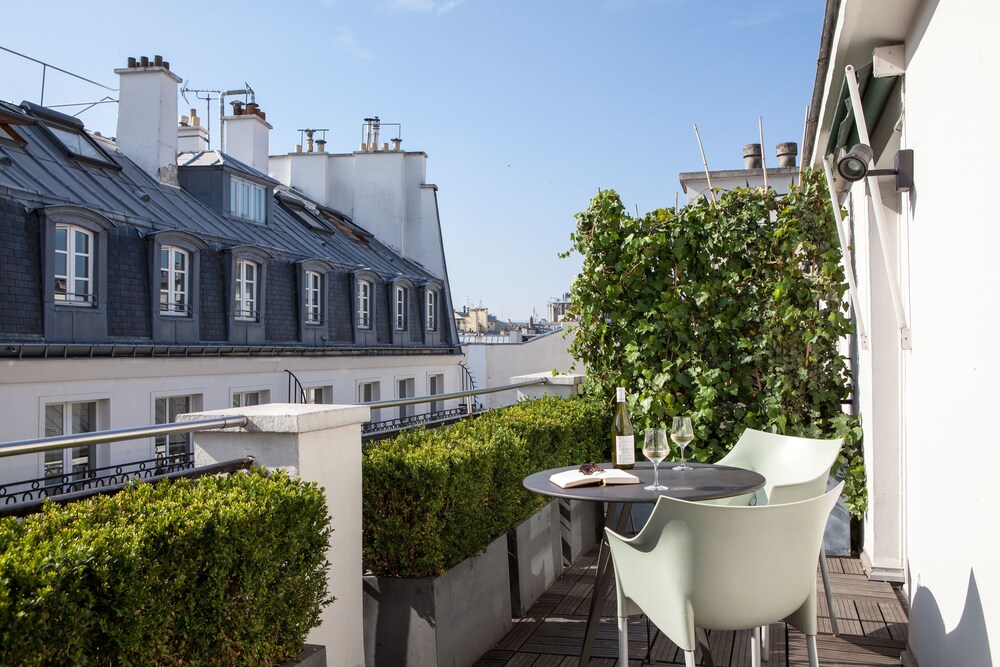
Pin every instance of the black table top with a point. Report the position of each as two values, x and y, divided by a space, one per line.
705 482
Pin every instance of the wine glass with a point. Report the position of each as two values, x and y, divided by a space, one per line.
655 448
682 434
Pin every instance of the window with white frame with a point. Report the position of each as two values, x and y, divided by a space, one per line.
71 463
364 300
174 446
368 392
74 265
247 279
247 200
174 272
432 309
314 297
405 389
242 399
316 395
435 386
400 308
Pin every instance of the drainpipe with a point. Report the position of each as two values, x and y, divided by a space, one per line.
246 90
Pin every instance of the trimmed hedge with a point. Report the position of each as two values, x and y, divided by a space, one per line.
433 497
216 571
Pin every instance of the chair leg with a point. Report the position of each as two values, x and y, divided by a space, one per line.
755 647
811 646
763 642
622 641
825 571
688 658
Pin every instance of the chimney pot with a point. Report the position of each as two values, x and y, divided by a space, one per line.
131 62
751 156
786 152
321 145
395 144
158 61
298 148
166 65
144 61
184 121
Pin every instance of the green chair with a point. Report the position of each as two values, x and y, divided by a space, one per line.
795 469
722 568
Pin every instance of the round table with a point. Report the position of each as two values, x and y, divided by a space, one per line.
705 482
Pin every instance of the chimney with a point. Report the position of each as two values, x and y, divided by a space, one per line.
191 136
751 156
147 109
247 136
786 153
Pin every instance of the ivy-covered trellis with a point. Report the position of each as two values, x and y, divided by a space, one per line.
730 312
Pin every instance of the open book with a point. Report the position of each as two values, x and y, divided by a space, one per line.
571 478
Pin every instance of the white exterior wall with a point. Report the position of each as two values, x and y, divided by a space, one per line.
932 450
952 444
129 387
493 365
147 119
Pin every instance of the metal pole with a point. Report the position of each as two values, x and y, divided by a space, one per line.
875 192
845 250
395 403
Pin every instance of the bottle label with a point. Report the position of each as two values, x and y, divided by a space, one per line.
625 448
620 394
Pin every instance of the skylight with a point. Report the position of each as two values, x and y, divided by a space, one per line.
78 143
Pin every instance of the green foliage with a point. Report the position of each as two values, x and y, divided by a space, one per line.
216 571
729 312
433 497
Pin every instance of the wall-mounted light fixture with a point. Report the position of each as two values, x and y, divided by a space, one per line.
854 166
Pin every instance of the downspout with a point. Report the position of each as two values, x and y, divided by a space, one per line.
246 90
822 69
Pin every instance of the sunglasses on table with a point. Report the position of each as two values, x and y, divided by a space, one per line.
589 468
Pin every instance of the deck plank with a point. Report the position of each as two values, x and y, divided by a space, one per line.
873 626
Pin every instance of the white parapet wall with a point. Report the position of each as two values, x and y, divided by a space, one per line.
564 385
318 443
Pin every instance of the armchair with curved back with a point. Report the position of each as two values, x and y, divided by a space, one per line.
795 468
720 567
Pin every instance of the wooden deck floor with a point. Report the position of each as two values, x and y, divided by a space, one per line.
873 628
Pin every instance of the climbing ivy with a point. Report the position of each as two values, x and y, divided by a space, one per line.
730 312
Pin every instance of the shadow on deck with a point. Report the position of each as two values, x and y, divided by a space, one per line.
873 627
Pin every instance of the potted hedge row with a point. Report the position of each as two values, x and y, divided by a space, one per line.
438 505
228 570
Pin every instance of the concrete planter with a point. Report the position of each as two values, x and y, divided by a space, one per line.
311 656
449 620
534 553
580 524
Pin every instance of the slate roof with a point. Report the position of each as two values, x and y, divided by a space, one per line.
39 173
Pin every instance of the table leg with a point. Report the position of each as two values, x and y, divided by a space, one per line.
603 578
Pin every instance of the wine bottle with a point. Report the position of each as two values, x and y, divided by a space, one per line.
622 440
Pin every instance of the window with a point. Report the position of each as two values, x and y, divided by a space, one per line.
435 386
174 263
314 297
405 389
74 265
432 308
174 444
242 399
314 395
364 304
368 392
246 290
400 308
247 200
73 463
78 143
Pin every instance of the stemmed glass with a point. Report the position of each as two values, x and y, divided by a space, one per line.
655 448
682 434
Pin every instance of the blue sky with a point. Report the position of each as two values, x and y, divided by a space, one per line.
525 107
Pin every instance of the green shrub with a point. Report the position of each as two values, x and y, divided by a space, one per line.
216 571
435 497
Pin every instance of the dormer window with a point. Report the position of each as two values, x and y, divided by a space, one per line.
364 304
174 271
74 266
314 297
432 310
400 309
247 200
246 290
